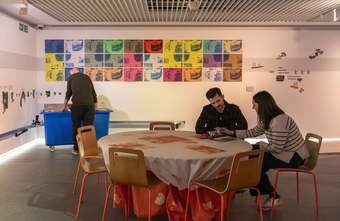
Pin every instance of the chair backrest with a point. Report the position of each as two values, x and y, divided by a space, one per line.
161 125
313 143
245 170
127 166
87 141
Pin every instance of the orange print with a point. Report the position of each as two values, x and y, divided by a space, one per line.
204 149
164 139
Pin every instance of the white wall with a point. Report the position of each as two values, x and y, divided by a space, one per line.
18 65
315 110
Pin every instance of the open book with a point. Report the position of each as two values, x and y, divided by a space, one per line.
224 138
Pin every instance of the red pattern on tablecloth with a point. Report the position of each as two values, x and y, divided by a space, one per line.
204 204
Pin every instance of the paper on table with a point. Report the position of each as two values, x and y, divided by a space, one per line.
205 149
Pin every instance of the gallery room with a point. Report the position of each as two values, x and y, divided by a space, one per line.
180 110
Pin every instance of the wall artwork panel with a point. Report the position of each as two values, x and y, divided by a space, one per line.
94 46
74 46
113 74
54 67
149 60
153 74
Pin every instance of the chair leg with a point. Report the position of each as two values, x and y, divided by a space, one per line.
297 188
259 201
81 193
198 198
76 178
187 205
113 198
107 196
149 216
275 191
222 206
298 191
316 194
127 203
105 181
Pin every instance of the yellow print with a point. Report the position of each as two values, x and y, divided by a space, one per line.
172 60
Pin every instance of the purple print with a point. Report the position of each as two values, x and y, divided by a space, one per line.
172 74
212 60
133 74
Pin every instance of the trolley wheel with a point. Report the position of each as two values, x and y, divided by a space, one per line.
52 148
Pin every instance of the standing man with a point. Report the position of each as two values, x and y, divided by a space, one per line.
84 100
219 114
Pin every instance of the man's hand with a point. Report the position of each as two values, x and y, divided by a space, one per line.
65 106
65 109
225 131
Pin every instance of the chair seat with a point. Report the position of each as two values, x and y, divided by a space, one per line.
300 169
93 165
303 168
218 184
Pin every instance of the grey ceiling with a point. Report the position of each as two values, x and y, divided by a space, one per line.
178 12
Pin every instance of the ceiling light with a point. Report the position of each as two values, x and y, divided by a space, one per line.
23 10
193 5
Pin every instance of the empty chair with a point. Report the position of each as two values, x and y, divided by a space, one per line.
127 167
90 160
245 172
313 143
162 125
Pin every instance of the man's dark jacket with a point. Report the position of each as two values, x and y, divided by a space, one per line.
231 118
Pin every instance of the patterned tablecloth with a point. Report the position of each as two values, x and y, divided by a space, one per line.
177 157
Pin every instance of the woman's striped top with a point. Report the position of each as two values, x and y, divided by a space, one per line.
284 138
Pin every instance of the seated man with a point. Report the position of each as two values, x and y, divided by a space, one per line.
219 113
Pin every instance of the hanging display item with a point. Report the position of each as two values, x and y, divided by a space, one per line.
4 101
22 98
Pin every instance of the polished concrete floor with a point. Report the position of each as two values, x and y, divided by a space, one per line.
37 186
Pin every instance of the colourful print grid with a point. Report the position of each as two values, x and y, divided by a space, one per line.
145 60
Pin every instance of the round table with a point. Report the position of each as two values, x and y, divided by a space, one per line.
177 157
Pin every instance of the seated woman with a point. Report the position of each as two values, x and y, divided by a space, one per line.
285 148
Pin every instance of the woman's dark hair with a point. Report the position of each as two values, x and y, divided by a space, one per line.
267 107
212 92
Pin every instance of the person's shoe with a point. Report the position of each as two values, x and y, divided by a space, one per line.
75 152
267 205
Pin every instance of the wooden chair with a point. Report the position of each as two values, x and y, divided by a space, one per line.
162 125
127 167
245 172
90 160
313 143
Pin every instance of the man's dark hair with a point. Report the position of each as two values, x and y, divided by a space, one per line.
212 92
